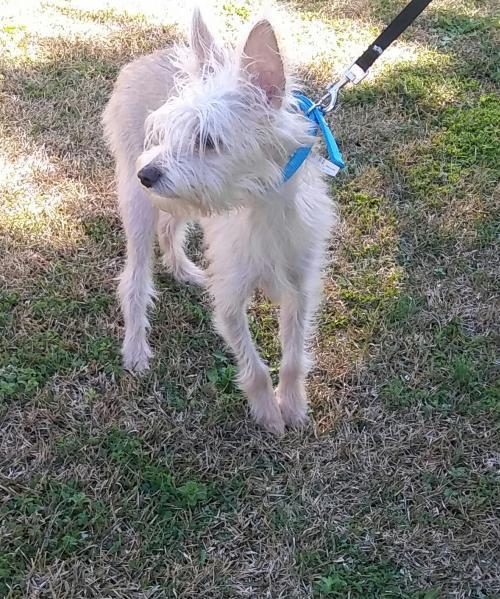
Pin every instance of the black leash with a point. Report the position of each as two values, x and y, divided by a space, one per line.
357 71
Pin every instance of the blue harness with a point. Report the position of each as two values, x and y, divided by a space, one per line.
316 116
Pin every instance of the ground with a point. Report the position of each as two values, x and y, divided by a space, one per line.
117 486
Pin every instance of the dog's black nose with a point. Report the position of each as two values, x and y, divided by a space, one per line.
149 175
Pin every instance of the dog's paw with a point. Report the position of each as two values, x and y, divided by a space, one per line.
193 276
269 417
136 358
294 416
187 272
293 407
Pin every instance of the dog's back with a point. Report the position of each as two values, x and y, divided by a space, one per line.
142 86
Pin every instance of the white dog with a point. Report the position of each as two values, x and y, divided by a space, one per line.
204 132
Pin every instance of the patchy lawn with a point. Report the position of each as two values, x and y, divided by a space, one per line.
116 486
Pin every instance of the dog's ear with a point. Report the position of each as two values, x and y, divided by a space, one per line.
262 61
202 41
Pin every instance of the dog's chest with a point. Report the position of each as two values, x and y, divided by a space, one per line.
264 247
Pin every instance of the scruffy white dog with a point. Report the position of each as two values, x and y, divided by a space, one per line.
204 132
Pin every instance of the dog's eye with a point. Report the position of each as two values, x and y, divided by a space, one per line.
206 143
209 143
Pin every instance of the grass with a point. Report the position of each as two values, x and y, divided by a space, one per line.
112 485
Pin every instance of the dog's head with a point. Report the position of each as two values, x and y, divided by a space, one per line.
227 131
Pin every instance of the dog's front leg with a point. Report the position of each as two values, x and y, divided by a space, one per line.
291 394
253 374
136 286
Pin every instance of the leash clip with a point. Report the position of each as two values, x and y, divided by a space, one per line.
357 71
354 74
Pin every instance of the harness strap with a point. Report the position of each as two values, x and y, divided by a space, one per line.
317 119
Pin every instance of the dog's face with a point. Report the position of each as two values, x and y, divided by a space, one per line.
219 139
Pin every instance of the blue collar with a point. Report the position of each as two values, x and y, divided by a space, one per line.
317 121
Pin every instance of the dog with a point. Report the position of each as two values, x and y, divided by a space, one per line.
201 132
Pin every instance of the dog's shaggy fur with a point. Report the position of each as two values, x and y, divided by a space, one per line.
208 130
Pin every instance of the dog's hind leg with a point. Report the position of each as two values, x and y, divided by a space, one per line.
136 289
171 235
253 375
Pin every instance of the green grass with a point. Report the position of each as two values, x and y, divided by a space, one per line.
460 378
222 374
56 518
61 520
345 569
50 347
467 139
161 485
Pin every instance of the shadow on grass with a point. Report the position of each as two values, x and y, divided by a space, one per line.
61 233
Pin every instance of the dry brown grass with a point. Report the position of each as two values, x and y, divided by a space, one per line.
113 486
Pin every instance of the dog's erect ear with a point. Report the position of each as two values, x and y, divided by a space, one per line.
262 61
202 41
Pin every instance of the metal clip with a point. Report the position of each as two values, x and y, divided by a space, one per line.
354 74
